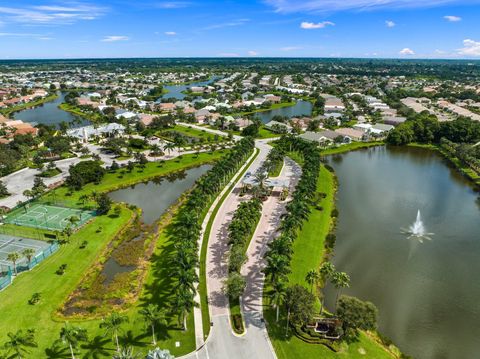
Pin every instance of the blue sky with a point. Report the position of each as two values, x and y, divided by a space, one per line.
195 28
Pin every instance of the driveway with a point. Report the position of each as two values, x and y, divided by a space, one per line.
222 343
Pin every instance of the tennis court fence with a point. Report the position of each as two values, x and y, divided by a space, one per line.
6 273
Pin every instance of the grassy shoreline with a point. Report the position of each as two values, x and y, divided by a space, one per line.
11 110
112 182
459 166
74 110
309 252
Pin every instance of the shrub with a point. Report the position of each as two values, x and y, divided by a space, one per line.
35 298
330 240
61 270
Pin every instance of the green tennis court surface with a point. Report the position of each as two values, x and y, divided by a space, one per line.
48 217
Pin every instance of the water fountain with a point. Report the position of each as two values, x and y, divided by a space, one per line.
417 230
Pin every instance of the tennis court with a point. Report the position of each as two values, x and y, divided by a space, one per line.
44 216
11 244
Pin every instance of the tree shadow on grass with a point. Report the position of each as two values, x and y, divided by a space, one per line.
57 351
96 348
162 288
131 340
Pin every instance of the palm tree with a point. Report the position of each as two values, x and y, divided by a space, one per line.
19 342
261 177
340 280
277 297
277 267
84 198
327 270
152 315
72 336
312 277
126 353
67 232
28 253
14 257
169 146
73 220
113 326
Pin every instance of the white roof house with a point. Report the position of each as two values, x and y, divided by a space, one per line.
84 133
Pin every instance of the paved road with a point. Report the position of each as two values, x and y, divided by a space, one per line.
222 343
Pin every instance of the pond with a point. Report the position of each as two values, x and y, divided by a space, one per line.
299 109
50 114
154 197
426 289
175 91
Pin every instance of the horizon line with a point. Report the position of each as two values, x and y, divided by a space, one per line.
239 57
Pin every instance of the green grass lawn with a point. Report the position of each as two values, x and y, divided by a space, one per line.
263 133
308 248
198 135
350 147
116 180
292 347
308 253
54 288
158 286
94 117
277 170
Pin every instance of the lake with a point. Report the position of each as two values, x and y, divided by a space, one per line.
427 293
156 196
299 109
49 114
175 91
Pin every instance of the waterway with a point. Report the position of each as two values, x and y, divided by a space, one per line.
301 108
156 196
427 291
175 91
49 114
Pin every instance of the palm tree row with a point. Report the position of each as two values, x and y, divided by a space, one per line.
188 225
279 254
240 231
274 159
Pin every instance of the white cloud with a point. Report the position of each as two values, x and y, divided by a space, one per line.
407 51
470 48
238 22
52 15
173 4
170 33
114 38
318 6
19 34
390 23
252 53
320 25
452 18
290 48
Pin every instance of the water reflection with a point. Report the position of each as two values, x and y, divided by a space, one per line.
154 197
427 294
50 114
